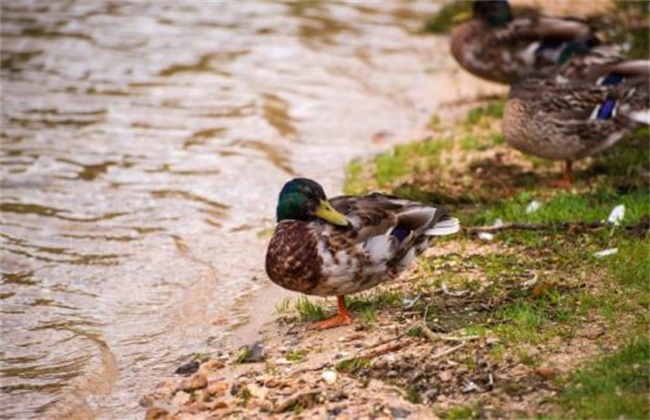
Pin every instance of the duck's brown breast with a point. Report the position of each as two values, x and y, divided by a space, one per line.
292 258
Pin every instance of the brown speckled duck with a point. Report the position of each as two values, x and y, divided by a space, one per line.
497 46
346 244
580 108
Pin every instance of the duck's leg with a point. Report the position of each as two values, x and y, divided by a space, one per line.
343 317
567 177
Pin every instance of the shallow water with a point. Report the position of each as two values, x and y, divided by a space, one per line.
143 146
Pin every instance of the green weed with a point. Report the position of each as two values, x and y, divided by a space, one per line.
296 355
284 306
352 365
460 412
484 114
310 311
614 386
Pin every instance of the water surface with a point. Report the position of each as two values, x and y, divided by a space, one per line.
143 146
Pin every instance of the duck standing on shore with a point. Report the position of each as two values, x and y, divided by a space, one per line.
579 109
346 244
497 46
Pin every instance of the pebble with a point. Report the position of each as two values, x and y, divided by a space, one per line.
180 398
329 377
271 383
217 388
492 340
592 332
164 392
212 365
196 381
445 376
220 405
546 372
257 391
195 408
188 368
156 413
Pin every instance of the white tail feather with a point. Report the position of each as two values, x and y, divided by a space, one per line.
642 117
445 227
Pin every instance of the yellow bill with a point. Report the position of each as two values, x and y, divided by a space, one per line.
326 212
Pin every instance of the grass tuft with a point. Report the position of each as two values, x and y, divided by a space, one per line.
352 365
614 386
310 311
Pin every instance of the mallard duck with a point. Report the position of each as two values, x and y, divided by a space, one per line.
346 244
499 47
578 109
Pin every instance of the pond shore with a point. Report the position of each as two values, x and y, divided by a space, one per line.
512 324
296 369
479 327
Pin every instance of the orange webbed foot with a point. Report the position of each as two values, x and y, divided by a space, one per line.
336 321
344 317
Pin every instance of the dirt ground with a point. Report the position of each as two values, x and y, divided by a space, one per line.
394 367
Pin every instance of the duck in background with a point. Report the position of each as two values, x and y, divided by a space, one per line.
497 46
578 109
346 244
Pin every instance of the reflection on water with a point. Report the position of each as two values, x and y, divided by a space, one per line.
143 144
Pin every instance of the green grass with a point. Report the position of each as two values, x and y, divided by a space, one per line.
630 268
403 159
352 365
573 288
296 355
243 354
614 386
483 114
626 23
310 311
283 306
413 395
566 207
354 178
459 412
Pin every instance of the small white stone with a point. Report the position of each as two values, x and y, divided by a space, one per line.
606 252
617 215
329 376
533 207
486 236
498 223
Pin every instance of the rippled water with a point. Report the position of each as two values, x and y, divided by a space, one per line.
143 146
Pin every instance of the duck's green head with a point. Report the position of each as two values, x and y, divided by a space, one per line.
493 12
304 199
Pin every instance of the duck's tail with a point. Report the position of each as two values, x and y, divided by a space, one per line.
642 117
446 226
